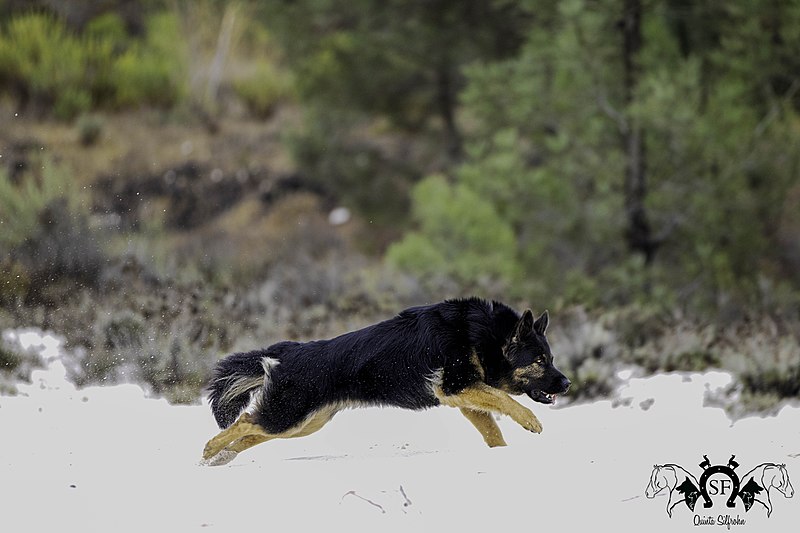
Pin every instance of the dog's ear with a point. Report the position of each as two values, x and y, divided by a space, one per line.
525 325
540 326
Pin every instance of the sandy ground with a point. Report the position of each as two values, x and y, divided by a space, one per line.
111 459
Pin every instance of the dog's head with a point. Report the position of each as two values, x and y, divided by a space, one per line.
532 371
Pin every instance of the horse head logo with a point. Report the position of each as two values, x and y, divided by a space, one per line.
755 486
760 483
675 479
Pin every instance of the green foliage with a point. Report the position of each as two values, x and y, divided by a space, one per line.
71 102
395 59
153 71
22 204
65 73
264 89
108 27
16 364
14 283
354 169
768 364
171 355
39 52
547 151
9 360
89 127
461 235
45 237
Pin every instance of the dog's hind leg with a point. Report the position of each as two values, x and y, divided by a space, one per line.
309 425
243 427
230 452
312 424
486 425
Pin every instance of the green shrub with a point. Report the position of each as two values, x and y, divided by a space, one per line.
65 74
461 235
45 235
71 102
153 71
359 172
38 52
16 364
21 204
89 127
166 340
144 79
14 282
765 360
123 331
264 89
9 360
107 27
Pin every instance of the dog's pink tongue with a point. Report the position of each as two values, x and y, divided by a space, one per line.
554 398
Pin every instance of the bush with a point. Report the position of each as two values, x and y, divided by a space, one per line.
71 102
153 71
41 58
765 359
264 89
21 204
363 174
45 238
9 360
461 235
107 27
588 352
47 65
168 343
89 127
14 283
16 363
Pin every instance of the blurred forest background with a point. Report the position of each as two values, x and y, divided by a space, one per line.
181 179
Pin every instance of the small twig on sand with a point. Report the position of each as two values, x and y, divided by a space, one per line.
407 502
365 499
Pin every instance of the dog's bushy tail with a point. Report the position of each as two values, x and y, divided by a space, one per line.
235 379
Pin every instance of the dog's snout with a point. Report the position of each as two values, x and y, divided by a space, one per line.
565 383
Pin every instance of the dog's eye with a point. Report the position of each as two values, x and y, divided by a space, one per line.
539 360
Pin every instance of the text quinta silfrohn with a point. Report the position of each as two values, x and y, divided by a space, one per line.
721 520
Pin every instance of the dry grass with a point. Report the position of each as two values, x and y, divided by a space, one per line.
144 141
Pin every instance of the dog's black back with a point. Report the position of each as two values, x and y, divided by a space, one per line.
452 344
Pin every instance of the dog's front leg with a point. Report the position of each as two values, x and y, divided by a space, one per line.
486 425
482 397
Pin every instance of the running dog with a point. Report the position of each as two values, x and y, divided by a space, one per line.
465 353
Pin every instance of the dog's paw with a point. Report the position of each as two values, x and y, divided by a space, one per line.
222 458
529 421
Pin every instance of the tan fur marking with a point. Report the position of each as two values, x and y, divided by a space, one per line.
247 442
527 373
244 434
243 427
312 424
476 362
486 425
482 397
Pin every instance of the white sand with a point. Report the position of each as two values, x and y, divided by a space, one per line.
110 459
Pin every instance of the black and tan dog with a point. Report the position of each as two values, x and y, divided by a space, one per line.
468 353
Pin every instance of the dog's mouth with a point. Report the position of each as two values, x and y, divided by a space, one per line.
542 397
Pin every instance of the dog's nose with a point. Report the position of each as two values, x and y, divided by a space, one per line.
565 383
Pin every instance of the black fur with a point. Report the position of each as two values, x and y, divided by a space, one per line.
393 363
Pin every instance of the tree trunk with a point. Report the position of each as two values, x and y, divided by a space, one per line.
638 232
446 103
